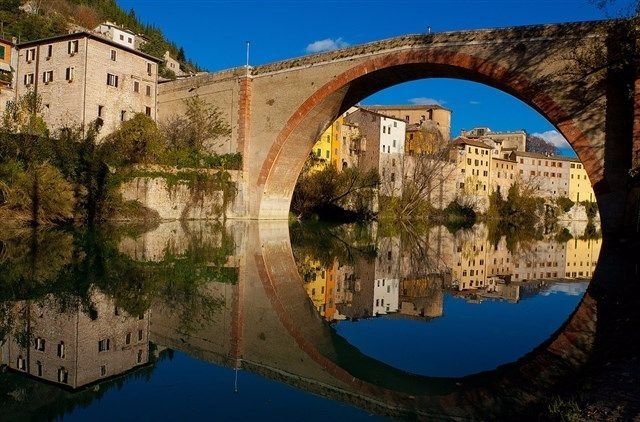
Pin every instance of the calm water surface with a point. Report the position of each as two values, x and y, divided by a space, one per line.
246 320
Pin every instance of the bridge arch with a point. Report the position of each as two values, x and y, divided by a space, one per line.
293 143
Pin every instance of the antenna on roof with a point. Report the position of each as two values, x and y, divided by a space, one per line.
428 30
247 54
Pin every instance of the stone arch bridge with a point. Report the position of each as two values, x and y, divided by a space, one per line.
582 77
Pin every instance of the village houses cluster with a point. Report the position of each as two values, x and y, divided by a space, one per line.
392 139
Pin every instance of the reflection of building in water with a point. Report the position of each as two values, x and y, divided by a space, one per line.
387 276
315 283
423 297
581 257
545 260
76 347
469 258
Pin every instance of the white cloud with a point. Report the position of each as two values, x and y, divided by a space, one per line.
425 100
326 45
554 137
473 102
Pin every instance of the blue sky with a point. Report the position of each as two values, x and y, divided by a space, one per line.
214 34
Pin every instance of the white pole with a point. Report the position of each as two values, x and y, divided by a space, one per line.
247 53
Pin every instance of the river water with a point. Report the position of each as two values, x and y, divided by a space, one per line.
249 320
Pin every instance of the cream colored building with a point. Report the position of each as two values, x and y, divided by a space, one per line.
81 77
8 61
549 175
506 142
579 185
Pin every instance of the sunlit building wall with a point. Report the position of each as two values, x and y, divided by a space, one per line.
473 162
382 147
503 174
315 283
419 114
579 185
547 175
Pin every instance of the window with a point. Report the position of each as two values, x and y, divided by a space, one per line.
68 74
63 375
149 69
49 51
129 40
139 356
103 370
147 111
47 76
40 344
112 80
395 124
21 363
140 337
123 115
72 47
121 37
31 54
103 345
327 154
39 365
394 143
114 55
148 90
100 110
2 52
28 79
61 349
136 86
127 339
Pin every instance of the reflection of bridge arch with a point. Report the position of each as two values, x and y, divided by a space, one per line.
506 389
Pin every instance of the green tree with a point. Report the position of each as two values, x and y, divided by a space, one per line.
138 140
23 116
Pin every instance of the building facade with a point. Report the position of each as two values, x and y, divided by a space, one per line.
419 114
382 147
81 77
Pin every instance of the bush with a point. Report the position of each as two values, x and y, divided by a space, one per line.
591 208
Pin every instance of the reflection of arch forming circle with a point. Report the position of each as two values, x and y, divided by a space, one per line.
400 66
380 387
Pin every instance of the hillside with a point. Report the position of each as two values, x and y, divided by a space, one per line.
45 18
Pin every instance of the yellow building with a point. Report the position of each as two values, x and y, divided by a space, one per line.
423 139
315 284
473 163
582 257
579 185
327 147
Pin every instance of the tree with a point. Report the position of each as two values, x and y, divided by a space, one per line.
201 123
540 145
23 116
138 140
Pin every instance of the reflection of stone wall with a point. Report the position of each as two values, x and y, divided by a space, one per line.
422 297
172 237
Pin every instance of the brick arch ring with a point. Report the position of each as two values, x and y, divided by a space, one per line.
453 63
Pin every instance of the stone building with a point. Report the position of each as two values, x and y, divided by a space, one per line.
473 159
8 58
81 77
505 142
382 147
419 114
119 35
548 174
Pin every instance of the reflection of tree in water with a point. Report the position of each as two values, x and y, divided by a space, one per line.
324 243
71 264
